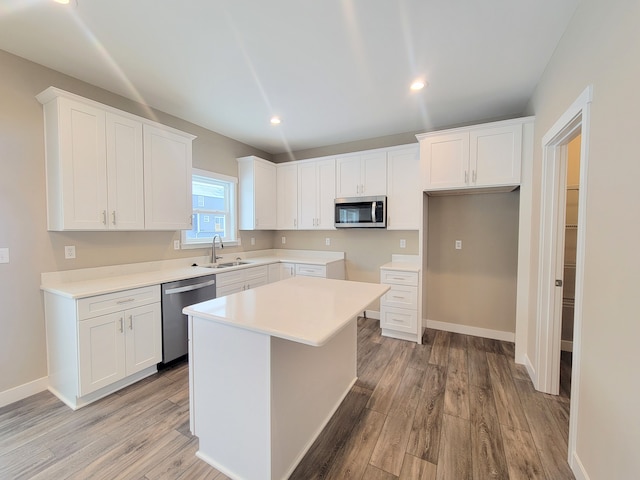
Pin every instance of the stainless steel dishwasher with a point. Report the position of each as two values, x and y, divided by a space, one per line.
176 296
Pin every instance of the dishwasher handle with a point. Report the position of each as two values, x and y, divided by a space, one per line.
189 288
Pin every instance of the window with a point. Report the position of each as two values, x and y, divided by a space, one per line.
214 209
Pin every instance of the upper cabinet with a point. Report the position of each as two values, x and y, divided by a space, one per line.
106 170
257 194
361 175
404 195
287 196
478 158
316 194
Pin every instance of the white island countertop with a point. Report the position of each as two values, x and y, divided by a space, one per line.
306 310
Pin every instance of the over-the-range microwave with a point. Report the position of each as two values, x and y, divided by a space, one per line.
361 212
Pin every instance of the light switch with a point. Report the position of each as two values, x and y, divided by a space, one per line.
4 255
458 244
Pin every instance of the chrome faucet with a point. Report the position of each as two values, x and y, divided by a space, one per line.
214 257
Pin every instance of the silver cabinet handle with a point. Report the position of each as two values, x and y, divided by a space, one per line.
104 217
130 322
128 300
466 176
474 176
121 325
113 214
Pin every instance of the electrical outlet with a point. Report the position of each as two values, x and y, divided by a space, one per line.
4 255
458 244
253 240
69 252
327 241
284 240
403 243
176 244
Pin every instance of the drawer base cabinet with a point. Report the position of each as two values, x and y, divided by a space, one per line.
98 345
399 312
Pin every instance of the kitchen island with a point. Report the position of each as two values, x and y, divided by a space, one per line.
268 368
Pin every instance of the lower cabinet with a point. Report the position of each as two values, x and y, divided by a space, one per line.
399 306
240 280
99 344
330 270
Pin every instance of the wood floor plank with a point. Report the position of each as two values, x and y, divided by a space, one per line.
351 462
440 348
419 358
456 394
371 373
522 457
546 433
478 368
508 403
487 451
414 468
407 396
374 473
454 459
390 449
388 384
424 440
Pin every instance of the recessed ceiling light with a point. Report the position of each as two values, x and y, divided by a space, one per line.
275 121
418 85
64 2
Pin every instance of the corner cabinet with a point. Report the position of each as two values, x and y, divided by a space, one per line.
257 194
98 345
473 159
106 170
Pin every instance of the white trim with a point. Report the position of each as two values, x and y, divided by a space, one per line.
530 368
23 391
474 331
566 346
578 468
218 176
372 314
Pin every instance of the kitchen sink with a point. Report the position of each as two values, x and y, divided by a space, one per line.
225 265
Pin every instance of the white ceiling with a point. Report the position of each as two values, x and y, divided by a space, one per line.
334 70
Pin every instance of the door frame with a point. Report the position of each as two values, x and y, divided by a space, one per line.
549 317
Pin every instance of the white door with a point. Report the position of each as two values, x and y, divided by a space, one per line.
287 195
101 351
265 196
446 160
143 337
125 182
404 203
495 156
348 177
326 195
374 174
308 195
167 179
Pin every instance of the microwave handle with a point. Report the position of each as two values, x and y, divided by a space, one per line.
373 212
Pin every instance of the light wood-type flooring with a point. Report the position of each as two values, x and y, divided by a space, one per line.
456 407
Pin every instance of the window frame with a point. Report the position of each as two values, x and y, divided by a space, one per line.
231 217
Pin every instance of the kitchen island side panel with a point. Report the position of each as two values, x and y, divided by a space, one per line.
231 398
308 384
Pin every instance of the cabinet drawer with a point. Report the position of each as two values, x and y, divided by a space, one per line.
229 278
229 289
399 319
113 302
311 270
401 296
256 273
398 277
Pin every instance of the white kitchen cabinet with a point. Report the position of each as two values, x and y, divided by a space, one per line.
316 194
287 270
399 307
167 179
287 196
404 195
479 158
98 345
240 280
257 194
364 174
100 175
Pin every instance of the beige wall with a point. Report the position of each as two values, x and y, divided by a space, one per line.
474 286
601 47
33 250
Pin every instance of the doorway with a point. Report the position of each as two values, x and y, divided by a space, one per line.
573 124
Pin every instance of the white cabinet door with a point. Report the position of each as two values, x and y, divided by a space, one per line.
125 183
101 351
316 194
360 175
257 181
404 194
143 337
76 169
287 270
167 179
287 195
496 155
446 160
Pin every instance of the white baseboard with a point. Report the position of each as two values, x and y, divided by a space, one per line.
566 345
23 391
530 370
372 314
474 331
578 468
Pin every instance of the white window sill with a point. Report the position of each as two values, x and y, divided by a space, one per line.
191 246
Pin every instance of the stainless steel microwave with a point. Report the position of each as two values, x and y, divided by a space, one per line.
361 212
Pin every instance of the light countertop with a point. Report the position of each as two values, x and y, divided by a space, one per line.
301 309
401 266
100 280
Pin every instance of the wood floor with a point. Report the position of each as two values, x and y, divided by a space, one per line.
457 407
